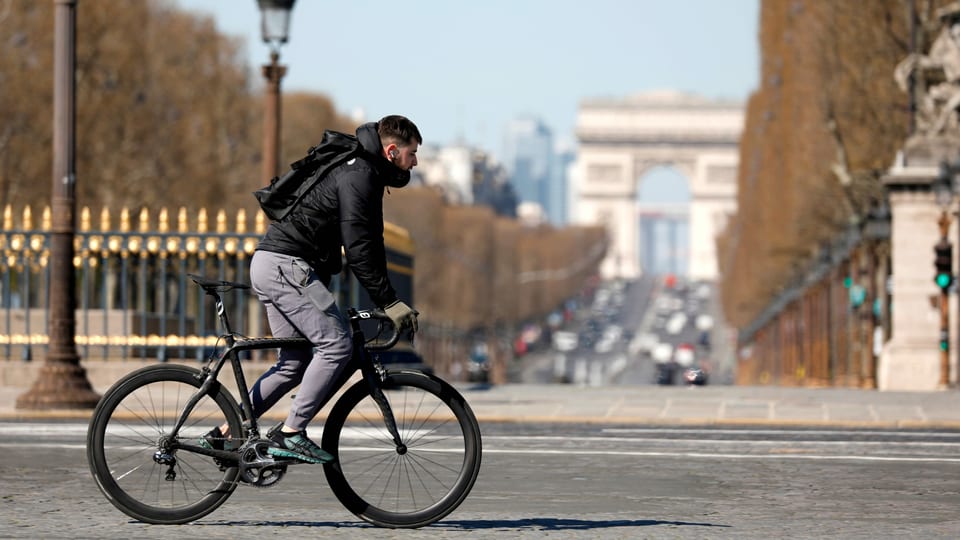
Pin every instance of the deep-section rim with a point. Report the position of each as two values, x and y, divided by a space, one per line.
472 454
97 459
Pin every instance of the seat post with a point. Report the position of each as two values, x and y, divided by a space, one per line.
222 316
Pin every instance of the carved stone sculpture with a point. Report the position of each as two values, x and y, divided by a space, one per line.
937 75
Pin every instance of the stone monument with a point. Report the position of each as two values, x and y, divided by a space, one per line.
937 74
910 360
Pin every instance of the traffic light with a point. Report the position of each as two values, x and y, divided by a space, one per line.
944 263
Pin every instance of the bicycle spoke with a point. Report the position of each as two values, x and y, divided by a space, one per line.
133 423
428 478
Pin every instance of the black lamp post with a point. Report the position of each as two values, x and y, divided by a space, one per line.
876 231
274 30
62 383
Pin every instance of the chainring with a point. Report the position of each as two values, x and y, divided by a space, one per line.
258 468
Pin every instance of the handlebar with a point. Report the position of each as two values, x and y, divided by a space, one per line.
356 316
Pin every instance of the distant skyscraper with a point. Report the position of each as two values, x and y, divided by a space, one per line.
564 157
528 158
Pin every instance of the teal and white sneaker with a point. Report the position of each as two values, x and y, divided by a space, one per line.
215 440
296 446
212 440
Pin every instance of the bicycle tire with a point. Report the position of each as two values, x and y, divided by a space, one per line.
403 490
124 433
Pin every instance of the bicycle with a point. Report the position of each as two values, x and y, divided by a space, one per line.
406 444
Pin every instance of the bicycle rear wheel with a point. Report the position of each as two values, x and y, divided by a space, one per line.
418 484
126 430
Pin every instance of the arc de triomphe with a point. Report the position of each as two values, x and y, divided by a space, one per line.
620 140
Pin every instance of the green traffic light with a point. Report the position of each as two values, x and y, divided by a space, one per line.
943 280
944 345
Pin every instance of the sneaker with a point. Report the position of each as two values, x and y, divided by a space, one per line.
215 440
212 440
296 446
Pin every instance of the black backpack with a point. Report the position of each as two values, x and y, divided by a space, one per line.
284 193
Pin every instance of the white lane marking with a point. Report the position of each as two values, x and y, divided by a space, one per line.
784 431
37 428
62 446
42 429
722 456
624 453
759 442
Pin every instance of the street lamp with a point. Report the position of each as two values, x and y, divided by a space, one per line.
61 382
275 21
876 231
274 30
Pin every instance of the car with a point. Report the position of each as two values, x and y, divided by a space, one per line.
565 341
695 376
643 343
662 353
703 322
665 373
684 355
478 371
604 346
676 323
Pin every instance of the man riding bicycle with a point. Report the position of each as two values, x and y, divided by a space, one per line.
292 268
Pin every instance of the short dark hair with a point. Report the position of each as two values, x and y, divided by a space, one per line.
398 130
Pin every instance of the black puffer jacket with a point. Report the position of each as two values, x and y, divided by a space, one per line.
344 209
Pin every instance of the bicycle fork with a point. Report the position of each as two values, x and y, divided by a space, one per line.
374 375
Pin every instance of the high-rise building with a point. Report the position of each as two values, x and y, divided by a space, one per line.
528 158
558 199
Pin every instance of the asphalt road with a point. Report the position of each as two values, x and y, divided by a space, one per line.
561 481
642 307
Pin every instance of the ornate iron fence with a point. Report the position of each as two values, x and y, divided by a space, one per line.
134 299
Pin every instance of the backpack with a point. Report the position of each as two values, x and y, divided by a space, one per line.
284 193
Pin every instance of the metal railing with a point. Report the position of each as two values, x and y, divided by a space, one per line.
820 330
134 299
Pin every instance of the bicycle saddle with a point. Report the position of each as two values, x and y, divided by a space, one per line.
216 284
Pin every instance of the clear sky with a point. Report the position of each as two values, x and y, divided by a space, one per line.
461 70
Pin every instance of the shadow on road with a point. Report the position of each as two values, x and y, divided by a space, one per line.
540 524
559 524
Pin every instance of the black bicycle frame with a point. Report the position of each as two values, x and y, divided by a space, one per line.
372 372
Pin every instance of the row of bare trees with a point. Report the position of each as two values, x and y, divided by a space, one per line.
476 270
821 129
168 111
170 115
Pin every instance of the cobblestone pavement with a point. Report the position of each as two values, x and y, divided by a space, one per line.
558 481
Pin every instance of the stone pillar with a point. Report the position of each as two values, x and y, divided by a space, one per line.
910 360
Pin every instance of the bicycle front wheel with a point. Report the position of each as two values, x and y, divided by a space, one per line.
418 483
131 423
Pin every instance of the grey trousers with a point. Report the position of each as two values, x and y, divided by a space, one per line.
298 303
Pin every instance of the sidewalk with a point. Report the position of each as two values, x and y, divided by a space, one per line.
543 403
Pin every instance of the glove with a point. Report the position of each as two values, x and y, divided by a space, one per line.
402 315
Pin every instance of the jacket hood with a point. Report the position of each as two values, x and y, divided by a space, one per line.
392 175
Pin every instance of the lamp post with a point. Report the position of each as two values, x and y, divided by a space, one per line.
62 383
876 231
274 30
943 261
952 170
